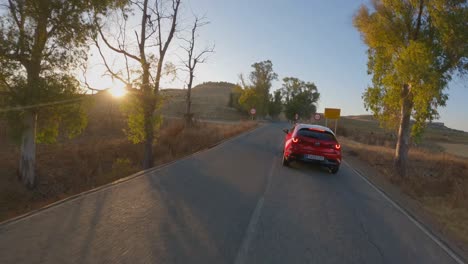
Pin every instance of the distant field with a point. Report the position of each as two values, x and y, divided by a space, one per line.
455 149
366 129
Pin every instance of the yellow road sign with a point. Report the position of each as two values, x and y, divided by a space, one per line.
332 113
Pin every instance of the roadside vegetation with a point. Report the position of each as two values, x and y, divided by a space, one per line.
102 154
296 98
414 50
59 134
44 51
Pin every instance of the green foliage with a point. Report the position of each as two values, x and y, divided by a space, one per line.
416 43
249 99
234 98
134 111
41 44
67 116
261 79
300 97
69 120
275 105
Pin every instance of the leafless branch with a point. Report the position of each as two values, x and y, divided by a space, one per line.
109 70
86 83
194 58
17 12
164 45
201 57
110 46
175 8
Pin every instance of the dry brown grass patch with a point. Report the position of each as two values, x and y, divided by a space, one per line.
92 160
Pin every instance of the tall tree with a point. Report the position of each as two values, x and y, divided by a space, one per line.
158 24
193 59
249 99
415 47
300 97
275 105
41 43
261 79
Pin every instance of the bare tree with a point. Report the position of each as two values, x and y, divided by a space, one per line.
193 59
156 31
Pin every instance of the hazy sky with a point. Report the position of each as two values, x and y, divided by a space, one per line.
313 40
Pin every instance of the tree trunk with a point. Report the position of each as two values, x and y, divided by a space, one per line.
27 163
149 105
148 159
188 114
404 131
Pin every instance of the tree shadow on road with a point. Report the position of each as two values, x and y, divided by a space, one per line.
207 214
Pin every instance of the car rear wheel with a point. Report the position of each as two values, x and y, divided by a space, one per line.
334 169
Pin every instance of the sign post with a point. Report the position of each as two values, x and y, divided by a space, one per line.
253 111
336 125
332 113
317 117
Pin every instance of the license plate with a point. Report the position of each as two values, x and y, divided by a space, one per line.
315 157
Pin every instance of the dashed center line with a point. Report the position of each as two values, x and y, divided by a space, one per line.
242 254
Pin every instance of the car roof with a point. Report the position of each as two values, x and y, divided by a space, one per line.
301 126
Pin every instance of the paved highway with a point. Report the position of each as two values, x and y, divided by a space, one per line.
234 203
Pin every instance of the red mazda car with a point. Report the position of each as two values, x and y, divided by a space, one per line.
312 144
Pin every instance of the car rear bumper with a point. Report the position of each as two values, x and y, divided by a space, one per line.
334 160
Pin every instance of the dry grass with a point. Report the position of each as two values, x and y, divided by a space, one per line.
209 101
102 153
439 181
455 149
366 129
95 159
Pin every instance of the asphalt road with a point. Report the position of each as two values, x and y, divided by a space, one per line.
232 204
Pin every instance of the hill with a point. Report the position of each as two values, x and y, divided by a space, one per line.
209 101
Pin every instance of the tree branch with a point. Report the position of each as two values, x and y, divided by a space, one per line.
121 51
175 7
111 72
199 58
418 20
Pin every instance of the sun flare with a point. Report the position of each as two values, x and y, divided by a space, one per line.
117 91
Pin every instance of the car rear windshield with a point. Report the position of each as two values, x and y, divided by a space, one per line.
315 134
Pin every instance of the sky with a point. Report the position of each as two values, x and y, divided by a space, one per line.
313 40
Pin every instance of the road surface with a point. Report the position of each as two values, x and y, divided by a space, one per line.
234 203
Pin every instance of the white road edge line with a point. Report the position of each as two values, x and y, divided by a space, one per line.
447 250
242 254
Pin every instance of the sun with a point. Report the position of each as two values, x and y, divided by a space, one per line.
117 91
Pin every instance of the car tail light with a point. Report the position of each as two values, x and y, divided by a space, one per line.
337 146
295 139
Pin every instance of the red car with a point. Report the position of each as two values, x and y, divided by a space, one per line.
312 144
